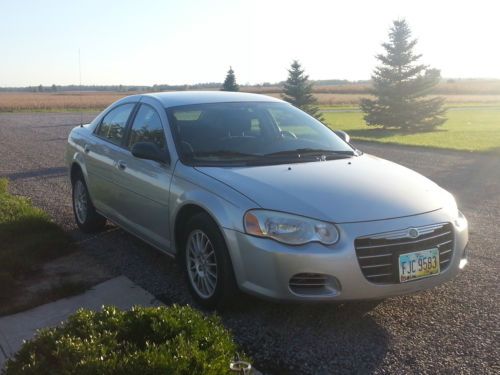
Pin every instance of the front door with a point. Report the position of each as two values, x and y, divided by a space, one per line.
143 185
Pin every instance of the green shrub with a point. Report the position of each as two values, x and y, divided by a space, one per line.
171 340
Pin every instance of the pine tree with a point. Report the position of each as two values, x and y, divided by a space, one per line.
401 86
230 82
298 91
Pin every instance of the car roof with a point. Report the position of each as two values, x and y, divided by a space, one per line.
177 98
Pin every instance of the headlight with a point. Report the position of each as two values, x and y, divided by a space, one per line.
289 229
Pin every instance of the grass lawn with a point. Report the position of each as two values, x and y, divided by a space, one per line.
467 129
28 238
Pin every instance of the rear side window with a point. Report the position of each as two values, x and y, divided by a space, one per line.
113 124
147 128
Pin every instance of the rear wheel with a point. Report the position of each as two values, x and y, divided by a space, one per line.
207 263
86 217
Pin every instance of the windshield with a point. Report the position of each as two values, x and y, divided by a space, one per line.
252 133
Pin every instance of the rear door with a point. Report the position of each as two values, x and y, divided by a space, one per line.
144 185
101 152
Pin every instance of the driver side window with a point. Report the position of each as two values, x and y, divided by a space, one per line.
147 128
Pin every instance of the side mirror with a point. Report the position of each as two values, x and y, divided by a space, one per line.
342 134
150 151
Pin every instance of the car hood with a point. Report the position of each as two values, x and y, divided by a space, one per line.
362 188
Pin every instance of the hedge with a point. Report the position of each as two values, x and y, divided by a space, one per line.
160 340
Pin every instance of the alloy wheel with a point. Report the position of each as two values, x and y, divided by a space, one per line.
201 263
81 201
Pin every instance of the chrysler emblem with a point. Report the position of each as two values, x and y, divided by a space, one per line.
413 233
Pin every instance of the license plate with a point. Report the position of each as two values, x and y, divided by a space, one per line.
419 264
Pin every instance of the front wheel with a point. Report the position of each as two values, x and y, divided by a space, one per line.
208 266
87 218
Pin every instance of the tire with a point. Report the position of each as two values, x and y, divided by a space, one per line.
207 264
86 217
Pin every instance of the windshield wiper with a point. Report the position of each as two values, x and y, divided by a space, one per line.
221 153
324 154
288 156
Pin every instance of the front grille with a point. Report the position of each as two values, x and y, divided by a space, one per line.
313 284
378 254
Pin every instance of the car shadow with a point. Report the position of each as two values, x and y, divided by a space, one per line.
309 338
42 172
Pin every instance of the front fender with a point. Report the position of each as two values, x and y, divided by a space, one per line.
225 205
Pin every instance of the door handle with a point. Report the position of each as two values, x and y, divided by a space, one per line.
86 149
121 165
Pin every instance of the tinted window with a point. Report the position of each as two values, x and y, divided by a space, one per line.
113 124
147 128
248 132
295 122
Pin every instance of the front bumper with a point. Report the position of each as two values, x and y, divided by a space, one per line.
265 267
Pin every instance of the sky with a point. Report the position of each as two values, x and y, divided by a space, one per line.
192 41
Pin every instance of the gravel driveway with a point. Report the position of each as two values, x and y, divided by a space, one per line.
451 329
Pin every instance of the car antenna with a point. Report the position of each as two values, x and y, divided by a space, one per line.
80 87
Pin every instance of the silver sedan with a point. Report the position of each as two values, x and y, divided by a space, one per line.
252 194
